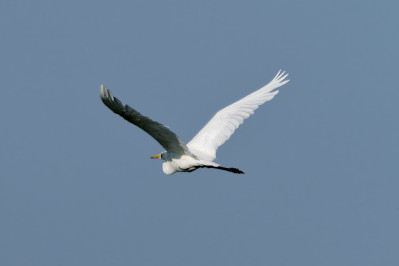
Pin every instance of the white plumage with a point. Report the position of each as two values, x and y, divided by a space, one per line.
201 150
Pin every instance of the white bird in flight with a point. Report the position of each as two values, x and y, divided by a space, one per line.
201 150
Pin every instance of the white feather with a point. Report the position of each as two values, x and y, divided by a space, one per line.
226 121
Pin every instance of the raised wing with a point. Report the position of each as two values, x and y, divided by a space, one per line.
169 140
226 121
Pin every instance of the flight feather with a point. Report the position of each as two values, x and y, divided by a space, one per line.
227 120
169 140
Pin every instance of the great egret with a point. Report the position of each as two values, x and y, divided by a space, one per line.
201 150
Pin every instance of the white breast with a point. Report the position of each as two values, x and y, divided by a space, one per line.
183 163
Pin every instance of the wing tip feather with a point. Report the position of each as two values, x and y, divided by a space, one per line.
106 94
281 76
102 91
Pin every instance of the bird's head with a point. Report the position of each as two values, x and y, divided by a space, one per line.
160 156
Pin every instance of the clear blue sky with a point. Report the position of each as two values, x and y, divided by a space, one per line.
77 184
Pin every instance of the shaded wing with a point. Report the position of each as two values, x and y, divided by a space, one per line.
226 121
169 140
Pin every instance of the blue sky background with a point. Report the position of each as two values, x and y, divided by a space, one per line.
77 186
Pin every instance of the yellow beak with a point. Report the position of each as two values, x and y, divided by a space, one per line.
156 156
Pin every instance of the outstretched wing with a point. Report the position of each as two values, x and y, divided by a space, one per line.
226 121
169 140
